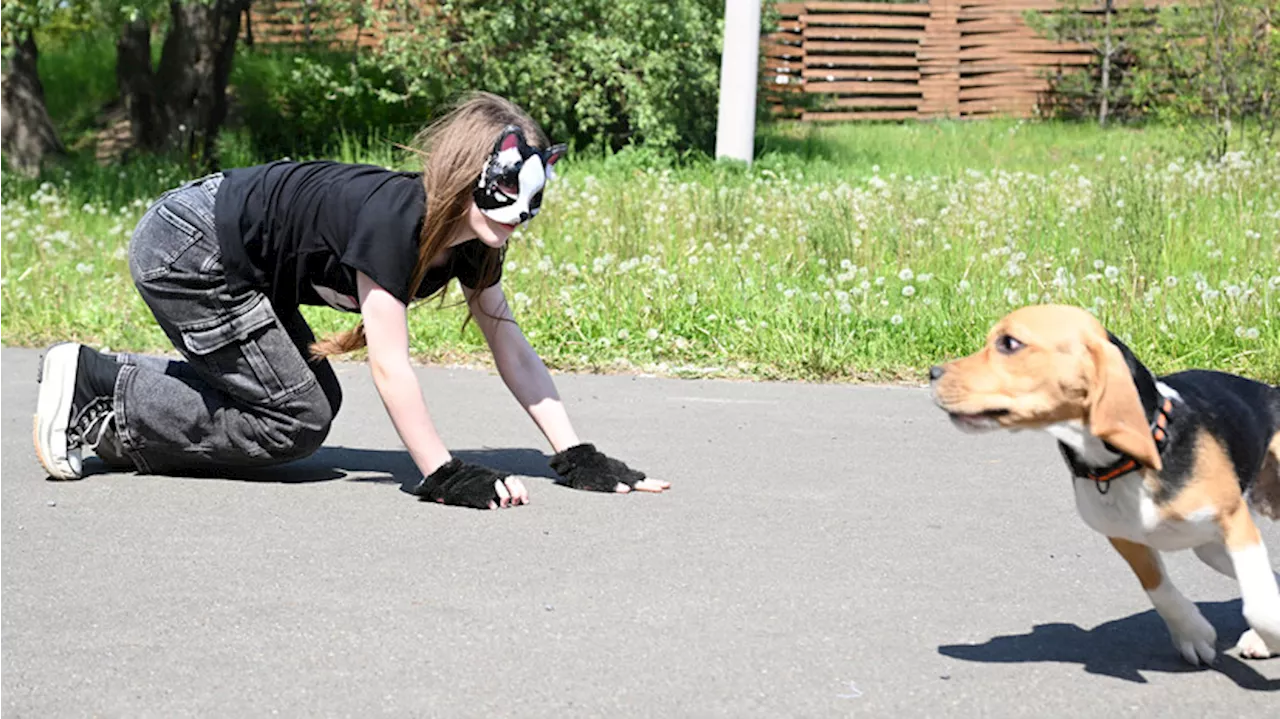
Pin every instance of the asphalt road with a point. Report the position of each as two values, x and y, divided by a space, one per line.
824 551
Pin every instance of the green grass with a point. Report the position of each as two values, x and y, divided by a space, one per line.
949 148
813 264
863 251
78 76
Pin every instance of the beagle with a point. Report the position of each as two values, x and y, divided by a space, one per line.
1159 464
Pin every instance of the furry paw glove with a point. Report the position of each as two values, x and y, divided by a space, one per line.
585 467
457 483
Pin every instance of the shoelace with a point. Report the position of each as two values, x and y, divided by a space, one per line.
93 418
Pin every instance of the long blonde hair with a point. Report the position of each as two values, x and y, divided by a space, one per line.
453 151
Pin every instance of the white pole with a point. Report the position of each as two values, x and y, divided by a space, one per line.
736 123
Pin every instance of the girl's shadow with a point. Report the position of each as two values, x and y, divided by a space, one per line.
367 465
1122 648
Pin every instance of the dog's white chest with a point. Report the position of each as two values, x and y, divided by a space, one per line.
1129 511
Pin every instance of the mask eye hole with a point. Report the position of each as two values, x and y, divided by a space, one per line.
1008 344
508 183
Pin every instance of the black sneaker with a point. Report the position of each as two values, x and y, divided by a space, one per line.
75 408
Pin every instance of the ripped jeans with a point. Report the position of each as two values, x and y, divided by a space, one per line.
246 396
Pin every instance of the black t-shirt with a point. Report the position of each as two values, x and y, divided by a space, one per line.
299 231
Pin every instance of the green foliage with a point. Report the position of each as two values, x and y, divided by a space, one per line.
600 73
68 19
18 17
1104 89
78 74
1217 60
853 251
292 103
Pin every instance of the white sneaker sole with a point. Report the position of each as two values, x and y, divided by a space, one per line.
57 380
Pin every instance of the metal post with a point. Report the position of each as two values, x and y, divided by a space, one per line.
739 63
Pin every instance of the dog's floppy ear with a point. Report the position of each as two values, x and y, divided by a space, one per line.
1115 413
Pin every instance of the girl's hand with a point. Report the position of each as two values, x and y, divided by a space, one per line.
584 467
468 485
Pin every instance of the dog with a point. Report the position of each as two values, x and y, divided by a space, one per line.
1158 463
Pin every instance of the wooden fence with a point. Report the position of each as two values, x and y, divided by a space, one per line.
918 60
300 22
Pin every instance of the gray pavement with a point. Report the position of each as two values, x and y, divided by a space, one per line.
825 551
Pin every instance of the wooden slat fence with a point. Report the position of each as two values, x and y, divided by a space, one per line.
912 60
300 22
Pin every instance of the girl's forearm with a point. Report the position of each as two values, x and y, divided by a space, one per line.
530 383
402 396
553 420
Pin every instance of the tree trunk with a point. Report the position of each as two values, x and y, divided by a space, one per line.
28 133
195 64
136 82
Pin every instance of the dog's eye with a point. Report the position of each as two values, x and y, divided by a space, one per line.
1007 344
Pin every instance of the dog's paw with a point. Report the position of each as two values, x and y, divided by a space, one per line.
1251 646
1194 637
1263 638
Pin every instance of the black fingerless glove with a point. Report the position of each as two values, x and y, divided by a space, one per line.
457 483
584 467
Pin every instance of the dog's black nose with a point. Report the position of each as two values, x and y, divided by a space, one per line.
935 372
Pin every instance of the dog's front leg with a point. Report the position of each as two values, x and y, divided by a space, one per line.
1258 591
1192 634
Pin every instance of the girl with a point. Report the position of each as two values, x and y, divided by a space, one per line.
224 263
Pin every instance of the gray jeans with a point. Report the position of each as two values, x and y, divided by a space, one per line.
246 395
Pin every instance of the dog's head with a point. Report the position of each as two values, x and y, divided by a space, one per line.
1042 365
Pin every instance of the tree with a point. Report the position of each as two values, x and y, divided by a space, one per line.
29 135
1216 60
135 78
180 104
176 106
1107 28
195 64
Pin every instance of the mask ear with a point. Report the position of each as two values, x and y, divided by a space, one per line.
512 137
551 156
1115 413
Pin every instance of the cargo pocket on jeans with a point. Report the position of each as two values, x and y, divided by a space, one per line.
159 240
251 353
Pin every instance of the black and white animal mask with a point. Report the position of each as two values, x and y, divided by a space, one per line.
510 187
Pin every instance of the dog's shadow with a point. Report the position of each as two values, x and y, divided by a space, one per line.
1123 648
369 465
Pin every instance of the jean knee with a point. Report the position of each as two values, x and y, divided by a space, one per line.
312 423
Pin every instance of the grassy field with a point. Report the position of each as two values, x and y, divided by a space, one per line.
853 252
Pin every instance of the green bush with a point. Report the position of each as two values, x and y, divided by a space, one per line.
1215 60
596 73
298 102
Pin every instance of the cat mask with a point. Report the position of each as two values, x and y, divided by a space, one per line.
510 186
